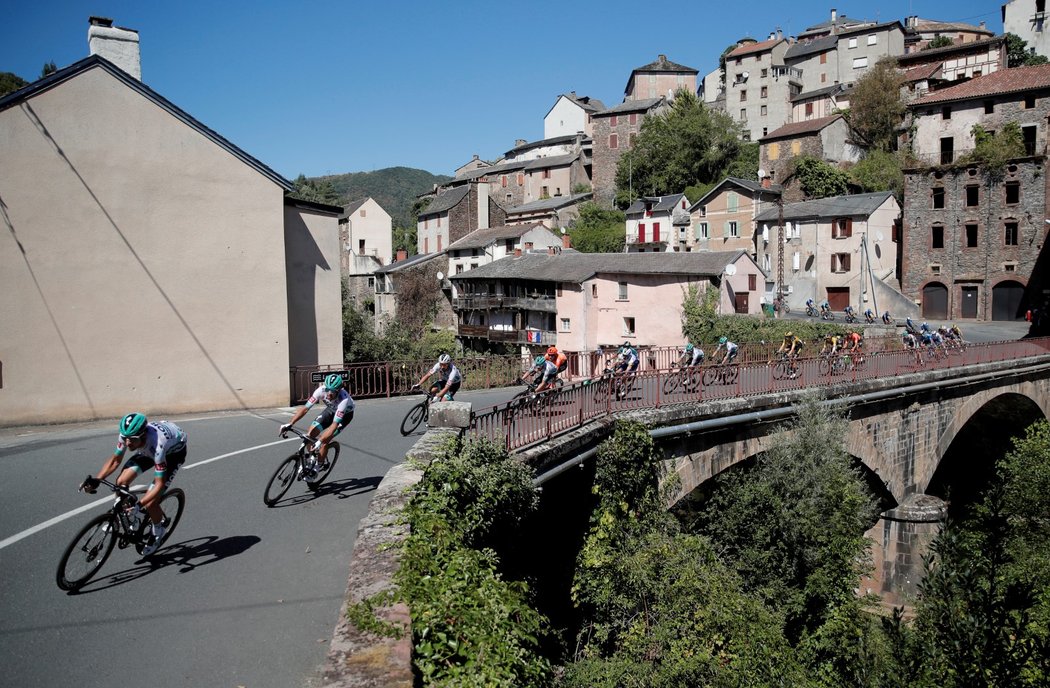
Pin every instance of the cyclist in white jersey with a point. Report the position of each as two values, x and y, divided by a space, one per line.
338 412
162 445
449 379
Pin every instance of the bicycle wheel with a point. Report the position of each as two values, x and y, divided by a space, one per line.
601 391
333 456
87 552
416 415
711 375
281 480
780 370
171 503
672 382
825 366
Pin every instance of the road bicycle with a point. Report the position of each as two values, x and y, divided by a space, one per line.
417 414
834 364
687 377
785 367
302 465
529 400
618 383
851 318
121 526
811 311
780 305
827 315
721 374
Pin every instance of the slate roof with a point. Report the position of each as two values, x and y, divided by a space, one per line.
446 200
568 138
408 262
552 161
817 45
641 105
1001 82
586 102
927 25
773 190
502 167
579 267
660 204
827 90
809 126
841 22
548 204
835 206
93 61
480 238
662 64
352 207
755 47
871 27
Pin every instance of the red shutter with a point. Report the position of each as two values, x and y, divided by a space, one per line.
656 231
641 234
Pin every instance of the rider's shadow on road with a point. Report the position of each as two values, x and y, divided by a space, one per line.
342 489
187 555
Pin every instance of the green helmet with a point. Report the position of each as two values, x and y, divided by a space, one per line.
333 382
688 347
722 340
132 425
540 360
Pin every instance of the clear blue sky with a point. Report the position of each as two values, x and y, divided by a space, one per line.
325 87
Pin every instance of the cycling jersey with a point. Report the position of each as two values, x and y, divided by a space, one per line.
696 356
630 356
451 375
548 371
561 361
163 438
854 339
340 403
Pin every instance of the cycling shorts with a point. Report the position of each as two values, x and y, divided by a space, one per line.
327 417
140 463
440 385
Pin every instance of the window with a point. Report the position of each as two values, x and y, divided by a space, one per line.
946 112
938 197
743 95
703 211
764 92
503 181
935 269
732 201
842 228
363 213
732 229
565 324
840 262
765 73
1029 102
632 118
371 282
438 220
937 236
613 141
971 236
973 196
701 230
459 268
809 109
521 179
641 233
1028 134
774 151
860 62
544 192
1013 193
622 294
743 115
473 266
823 58
546 173
853 42
558 290
796 147
823 77
426 244
1009 267
763 113
752 282
947 150
1010 236
594 291
989 107
628 327
873 39
766 262
439 242
361 247
765 130
796 261
613 121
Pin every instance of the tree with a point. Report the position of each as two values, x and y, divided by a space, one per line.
819 179
876 110
939 42
1018 54
319 190
48 69
10 82
880 170
992 150
598 230
685 145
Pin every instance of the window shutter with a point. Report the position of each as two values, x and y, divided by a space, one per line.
849 227
845 262
656 231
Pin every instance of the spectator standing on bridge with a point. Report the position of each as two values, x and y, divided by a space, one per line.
338 412
449 379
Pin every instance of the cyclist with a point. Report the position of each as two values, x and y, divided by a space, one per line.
887 318
956 332
910 326
449 379
832 344
811 309
825 309
791 346
546 373
628 358
908 340
731 350
338 412
560 360
924 327
691 356
850 315
161 444
854 341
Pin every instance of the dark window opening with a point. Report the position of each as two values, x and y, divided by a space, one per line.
1029 139
938 197
1010 236
946 112
971 236
1029 102
937 237
947 150
1013 193
973 196
989 107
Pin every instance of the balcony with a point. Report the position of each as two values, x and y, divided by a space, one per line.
541 302
633 240
792 73
540 337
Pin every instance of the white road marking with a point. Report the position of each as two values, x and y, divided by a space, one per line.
109 500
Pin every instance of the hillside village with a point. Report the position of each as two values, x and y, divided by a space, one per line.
98 168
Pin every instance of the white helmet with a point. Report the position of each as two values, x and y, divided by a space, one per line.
444 358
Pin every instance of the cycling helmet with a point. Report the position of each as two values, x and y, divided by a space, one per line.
925 327
132 425
722 340
540 360
444 358
333 382
688 347
789 334
627 345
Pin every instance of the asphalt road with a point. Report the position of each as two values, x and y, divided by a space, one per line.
241 595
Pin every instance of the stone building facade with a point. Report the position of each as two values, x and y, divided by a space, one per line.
972 241
614 132
455 213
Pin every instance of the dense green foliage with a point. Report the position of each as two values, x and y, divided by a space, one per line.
393 188
685 145
880 170
1018 54
820 179
939 42
876 110
316 190
992 150
597 230
399 341
10 82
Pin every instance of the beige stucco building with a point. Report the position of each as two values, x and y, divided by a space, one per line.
723 219
366 230
146 262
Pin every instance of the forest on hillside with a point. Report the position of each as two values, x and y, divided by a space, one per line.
394 188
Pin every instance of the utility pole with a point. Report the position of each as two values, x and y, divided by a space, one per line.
780 252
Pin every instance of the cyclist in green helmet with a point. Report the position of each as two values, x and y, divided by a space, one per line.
546 373
162 445
338 412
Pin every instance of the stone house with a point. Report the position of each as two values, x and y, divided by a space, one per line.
455 213
840 249
474 164
554 213
723 219
588 301
825 138
759 85
856 49
117 204
957 62
484 246
410 289
614 132
824 102
653 223
918 33
571 114
659 79
1027 19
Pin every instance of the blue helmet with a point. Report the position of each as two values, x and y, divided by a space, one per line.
333 382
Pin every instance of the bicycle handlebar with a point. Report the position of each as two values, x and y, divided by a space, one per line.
296 431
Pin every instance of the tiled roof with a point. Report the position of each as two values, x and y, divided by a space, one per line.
817 45
835 206
641 105
446 200
798 128
939 53
755 47
480 238
56 78
1001 82
927 25
923 72
553 203
578 267
662 64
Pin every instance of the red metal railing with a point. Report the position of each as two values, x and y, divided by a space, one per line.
519 426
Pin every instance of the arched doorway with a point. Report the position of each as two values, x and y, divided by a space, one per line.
935 301
1006 300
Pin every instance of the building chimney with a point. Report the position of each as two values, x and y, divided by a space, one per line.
119 46
572 93
834 15
475 156
566 241
662 58
766 182
518 143
517 252
551 250
401 254
982 26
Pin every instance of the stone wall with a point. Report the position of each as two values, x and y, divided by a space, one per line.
783 167
605 159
